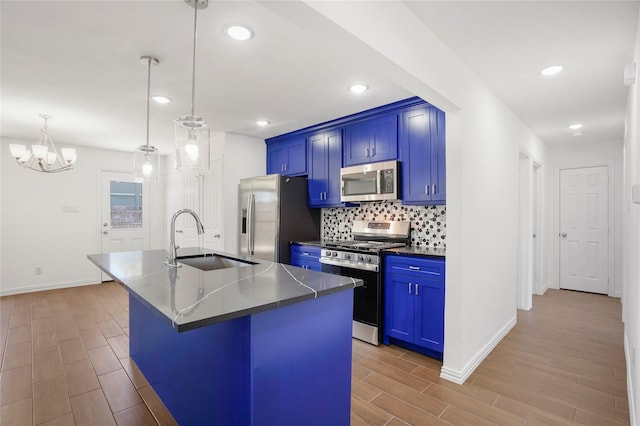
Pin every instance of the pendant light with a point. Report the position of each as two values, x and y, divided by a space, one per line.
191 132
44 156
146 157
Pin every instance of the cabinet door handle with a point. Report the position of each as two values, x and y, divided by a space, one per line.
433 189
285 166
410 288
414 268
373 151
305 253
426 189
417 293
367 152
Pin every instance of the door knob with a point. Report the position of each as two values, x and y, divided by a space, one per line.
105 224
105 232
564 235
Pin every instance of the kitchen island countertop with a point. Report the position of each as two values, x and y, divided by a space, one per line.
189 298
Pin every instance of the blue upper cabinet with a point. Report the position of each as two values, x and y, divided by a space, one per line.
287 156
371 140
325 161
422 143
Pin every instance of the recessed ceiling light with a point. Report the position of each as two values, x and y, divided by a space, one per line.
575 126
359 88
262 123
161 99
552 70
238 32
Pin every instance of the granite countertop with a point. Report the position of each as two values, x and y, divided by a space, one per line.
418 251
410 250
189 298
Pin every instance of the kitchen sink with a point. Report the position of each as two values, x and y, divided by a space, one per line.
213 262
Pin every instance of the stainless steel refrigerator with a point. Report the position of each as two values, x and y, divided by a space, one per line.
273 211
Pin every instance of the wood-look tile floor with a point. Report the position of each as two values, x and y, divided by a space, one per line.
65 362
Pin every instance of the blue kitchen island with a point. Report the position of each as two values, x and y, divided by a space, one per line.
243 343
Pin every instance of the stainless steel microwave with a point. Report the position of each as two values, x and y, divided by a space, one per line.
370 182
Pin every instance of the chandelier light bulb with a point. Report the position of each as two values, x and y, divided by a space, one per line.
39 151
69 155
25 157
17 150
51 158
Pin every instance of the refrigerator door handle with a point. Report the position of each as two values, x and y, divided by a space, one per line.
250 236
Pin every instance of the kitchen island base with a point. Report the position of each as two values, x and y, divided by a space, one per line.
285 366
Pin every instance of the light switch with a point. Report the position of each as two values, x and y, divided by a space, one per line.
70 209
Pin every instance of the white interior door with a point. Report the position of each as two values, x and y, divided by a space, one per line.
584 229
125 217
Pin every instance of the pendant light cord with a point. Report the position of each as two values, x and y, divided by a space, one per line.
193 72
148 96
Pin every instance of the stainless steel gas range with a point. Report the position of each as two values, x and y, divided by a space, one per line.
362 258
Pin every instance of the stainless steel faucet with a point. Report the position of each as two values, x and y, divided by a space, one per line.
173 249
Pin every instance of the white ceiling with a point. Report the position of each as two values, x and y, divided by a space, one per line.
79 61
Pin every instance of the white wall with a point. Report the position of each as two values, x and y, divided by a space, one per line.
631 241
483 142
242 157
35 231
589 155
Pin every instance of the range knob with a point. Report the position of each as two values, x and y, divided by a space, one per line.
360 258
368 259
334 254
347 256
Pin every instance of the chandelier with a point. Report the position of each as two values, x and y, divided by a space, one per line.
191 132
44 157
145 157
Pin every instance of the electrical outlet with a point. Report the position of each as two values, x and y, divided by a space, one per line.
38 270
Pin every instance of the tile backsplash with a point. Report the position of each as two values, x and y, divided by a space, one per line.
428 223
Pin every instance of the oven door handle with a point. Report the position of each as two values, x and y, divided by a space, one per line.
361 267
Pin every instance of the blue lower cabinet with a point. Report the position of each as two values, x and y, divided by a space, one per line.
307 257
414 303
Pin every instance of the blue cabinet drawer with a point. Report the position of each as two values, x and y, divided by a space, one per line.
303 251
425 268
307 257
306 263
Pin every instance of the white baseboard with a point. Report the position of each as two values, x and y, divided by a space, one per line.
460 377
44 287
546 287
630 396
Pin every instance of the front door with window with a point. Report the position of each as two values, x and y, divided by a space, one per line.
124 221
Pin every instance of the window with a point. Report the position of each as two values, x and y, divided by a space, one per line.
126 205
